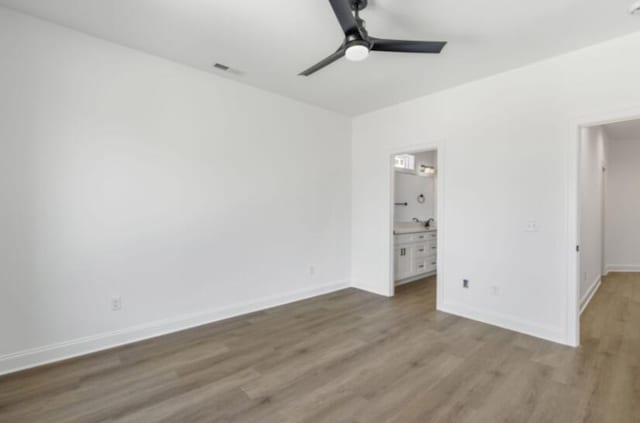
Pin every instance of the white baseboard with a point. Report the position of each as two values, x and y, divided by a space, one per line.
368 289
622 268
22 360
586 298
552 334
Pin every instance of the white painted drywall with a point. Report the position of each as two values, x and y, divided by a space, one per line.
408 186
592 199
506 146
623 206
191 196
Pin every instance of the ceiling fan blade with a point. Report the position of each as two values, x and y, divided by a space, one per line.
342 9
323 63
401 46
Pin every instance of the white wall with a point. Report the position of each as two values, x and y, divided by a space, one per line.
408 186
192 197
623 206
506 145
592 199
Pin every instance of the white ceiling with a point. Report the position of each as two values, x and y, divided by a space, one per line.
271 41
623 131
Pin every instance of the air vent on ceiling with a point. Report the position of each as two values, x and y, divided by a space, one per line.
227 69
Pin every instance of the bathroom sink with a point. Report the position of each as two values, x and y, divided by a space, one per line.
410 227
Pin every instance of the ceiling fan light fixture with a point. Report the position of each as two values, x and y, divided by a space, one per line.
357 51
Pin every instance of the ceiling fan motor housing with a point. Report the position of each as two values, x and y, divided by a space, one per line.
352 39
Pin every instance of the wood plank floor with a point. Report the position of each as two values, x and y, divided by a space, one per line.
352 357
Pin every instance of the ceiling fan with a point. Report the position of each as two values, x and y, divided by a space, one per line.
357 42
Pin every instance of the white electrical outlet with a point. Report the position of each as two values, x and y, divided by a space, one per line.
495 290
116 303
532 226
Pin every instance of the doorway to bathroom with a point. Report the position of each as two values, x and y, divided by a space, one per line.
415 225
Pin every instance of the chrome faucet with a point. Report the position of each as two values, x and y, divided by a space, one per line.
427 223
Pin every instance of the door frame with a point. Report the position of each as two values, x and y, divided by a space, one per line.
574 218
438 147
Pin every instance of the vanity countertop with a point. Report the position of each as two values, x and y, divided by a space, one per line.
411 228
